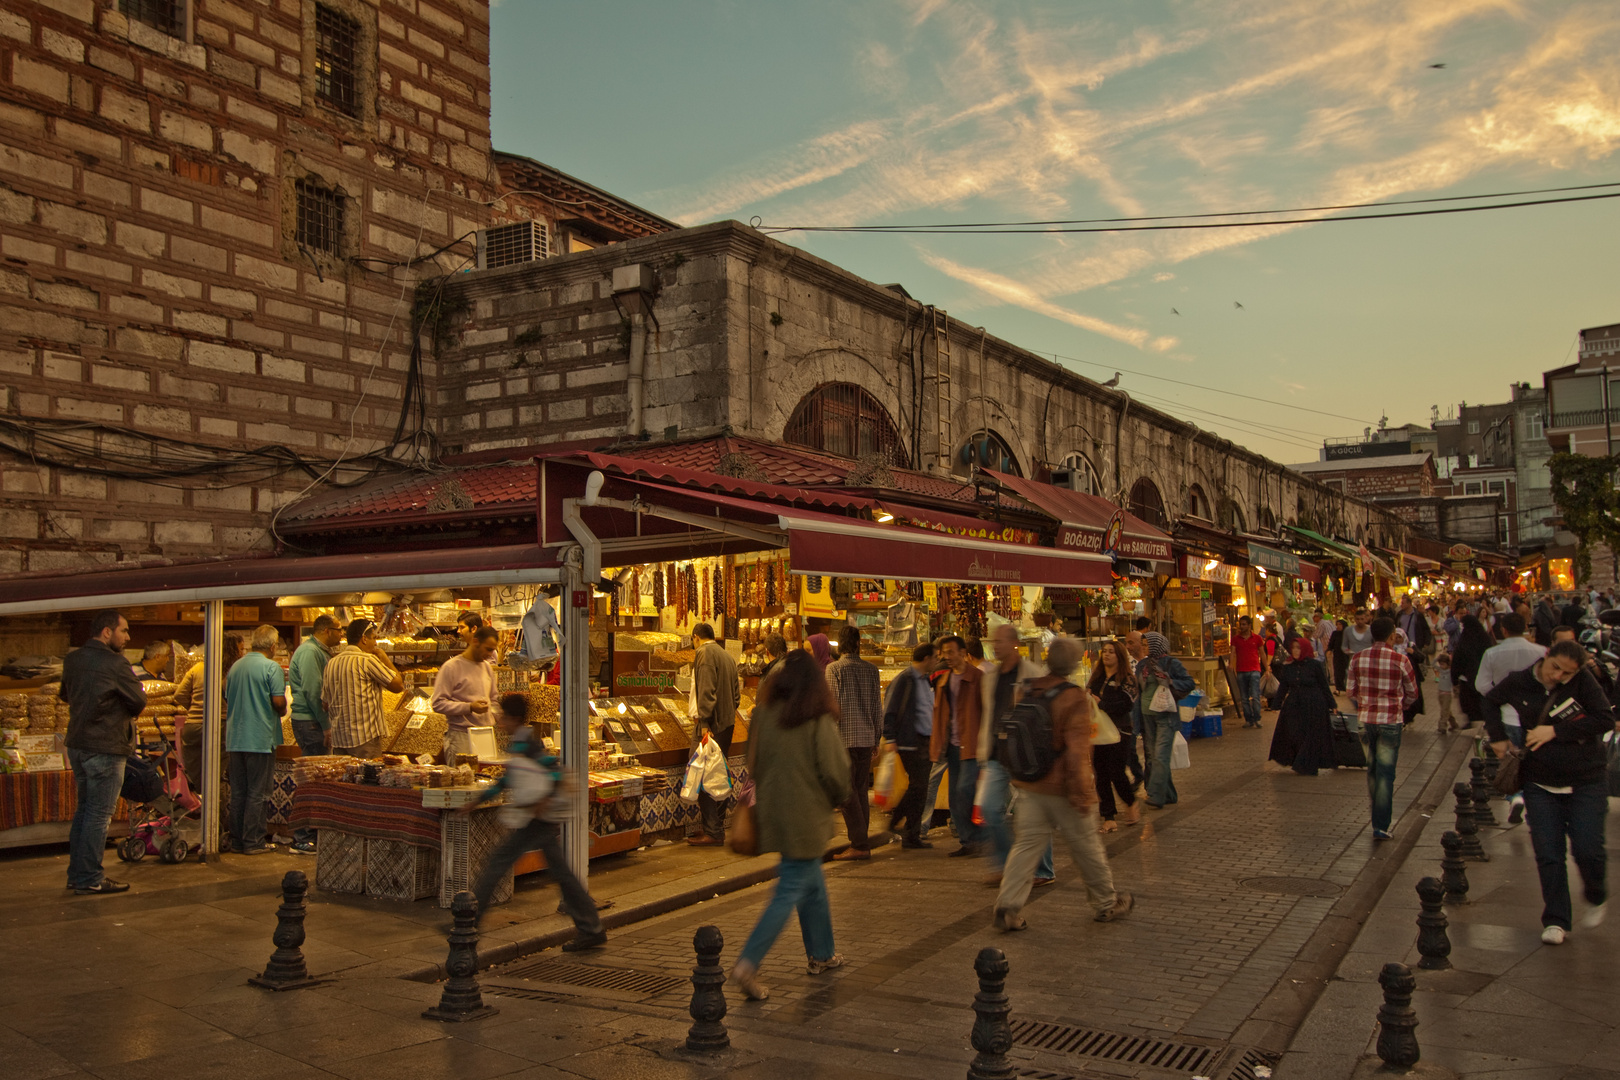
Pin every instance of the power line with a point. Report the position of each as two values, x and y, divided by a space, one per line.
1215 390
1248 427
1221 214
908 230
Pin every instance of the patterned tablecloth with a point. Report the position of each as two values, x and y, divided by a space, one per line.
376 813
39 797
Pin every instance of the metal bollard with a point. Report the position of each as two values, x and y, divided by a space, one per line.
461 1000
1466 827
1482 793
1432 943
992 1034
1453 871
1397 1023
286 970
708 1008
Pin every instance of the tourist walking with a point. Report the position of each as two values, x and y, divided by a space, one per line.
957 715
1113 687
1062 803
1252 661
908 723
801 773
1156 671
859 694
1564 716
1303 740
1382 686
999 690
1472 644
1443 691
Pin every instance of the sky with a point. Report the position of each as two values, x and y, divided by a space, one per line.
884 112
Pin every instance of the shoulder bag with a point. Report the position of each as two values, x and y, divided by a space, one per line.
743 836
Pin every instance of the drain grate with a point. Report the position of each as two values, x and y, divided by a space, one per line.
1113 1046
530 995
595 978
1292 886
1247 1065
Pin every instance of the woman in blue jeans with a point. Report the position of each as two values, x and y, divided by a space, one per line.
801 774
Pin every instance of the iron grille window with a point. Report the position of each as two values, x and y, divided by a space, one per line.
320 217
843 419
335 38
168 16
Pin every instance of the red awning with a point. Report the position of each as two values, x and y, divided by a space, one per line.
1309 572
1085 519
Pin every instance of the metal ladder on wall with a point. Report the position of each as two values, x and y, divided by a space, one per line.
939 328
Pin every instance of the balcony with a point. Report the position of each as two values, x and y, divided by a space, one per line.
1583 418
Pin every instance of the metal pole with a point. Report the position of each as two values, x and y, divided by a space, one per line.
213 722
1608 427
576 717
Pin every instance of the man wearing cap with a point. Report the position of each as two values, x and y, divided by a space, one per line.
351 690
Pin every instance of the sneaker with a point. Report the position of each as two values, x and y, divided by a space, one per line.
1123 903
816 967
1594 915
101 888
303 847
582 942
1516 814
1552 935
1380 834
744 976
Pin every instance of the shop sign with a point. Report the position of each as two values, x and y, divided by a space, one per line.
1281 562
815 597
930 596
988 531
1460 553
1200 569
1143 548
633 675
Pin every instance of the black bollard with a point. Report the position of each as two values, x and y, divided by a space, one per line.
461 1000
1453 871
992 1034
1397 1023
1432 942
286 970
1466 828
1482 793
708 1009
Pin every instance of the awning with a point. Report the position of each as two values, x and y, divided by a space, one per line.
1085 519
1281 562
1333 547
247 579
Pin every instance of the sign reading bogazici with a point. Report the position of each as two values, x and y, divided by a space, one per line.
1144 548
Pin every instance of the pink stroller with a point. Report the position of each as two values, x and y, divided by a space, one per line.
156 823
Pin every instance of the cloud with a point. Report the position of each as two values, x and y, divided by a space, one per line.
1162 276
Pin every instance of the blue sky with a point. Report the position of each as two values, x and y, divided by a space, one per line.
929 110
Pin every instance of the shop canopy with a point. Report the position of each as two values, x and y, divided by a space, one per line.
1327 544
1085 518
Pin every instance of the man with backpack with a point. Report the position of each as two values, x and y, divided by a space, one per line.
1045 744
998 692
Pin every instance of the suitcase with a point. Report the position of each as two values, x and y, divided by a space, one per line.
1348 752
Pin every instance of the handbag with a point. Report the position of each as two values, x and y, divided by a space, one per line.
1269 684
1509 780
743 835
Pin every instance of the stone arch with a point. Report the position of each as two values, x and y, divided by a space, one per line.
1078 461
986 448
1267 521
1197 503
788 382
841 418
1229 516
981 414
1146 503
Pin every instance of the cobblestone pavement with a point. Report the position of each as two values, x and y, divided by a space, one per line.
1207 957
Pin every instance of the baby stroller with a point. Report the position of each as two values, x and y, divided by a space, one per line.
165 807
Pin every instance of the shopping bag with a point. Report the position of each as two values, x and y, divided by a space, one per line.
883 780
1179 758
1163 700
697 769
716 777
1269 684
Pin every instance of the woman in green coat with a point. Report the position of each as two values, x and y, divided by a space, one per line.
801 774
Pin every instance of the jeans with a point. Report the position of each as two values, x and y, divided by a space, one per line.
712 809
1383 745
1158 742
311 743
799 886
547 838
1581 815
858 807
250 775
97 780
1036 819
1249 689
910 808
963 777
996 809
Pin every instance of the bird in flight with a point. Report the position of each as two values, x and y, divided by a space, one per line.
1173 311
1114 381
1239 306
1437 67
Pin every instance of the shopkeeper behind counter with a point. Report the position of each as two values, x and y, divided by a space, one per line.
463 689
351 690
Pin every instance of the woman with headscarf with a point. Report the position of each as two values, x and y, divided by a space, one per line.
1303 740
1156 669
1471 645
821 649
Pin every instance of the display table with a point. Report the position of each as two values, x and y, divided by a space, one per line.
37 808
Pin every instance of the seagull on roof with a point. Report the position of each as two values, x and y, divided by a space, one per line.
1114 381
1239 306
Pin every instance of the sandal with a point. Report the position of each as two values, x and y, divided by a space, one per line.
1108 826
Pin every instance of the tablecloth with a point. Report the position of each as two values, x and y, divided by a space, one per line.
377 813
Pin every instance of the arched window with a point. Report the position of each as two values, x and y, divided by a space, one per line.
843 419
1268 521
1081 475
1198 503
987 450
1230 517
1147 504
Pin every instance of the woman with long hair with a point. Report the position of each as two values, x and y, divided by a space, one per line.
1471 645
1303 740
801 774
1114 687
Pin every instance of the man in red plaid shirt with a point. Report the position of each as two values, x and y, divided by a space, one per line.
1382 684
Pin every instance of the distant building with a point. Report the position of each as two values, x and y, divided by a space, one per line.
1582 416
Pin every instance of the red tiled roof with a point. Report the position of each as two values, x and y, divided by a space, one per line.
510 484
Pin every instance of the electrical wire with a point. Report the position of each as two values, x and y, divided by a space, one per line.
1247 426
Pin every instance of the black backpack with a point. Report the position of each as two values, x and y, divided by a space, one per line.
1023 737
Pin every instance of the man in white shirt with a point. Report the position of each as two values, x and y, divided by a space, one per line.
1517 651
1321 632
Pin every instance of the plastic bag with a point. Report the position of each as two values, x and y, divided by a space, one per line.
1179 758
706 772
883 780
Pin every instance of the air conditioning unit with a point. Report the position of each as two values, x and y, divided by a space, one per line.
508 245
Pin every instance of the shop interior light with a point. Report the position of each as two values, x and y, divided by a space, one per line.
1262 572
1212 564
881 516
622 709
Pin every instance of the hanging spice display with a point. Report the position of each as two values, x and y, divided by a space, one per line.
660 592
678 587
613 601
771 596
691 585
635 590
730 591
967 601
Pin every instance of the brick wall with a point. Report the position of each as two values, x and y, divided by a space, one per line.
149 285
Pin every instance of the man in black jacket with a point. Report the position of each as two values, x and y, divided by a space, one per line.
908 713
103 697
1564 715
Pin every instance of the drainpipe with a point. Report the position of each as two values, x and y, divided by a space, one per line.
1125 407
638 366
633 289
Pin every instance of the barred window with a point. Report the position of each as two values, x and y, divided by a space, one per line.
320 217
168 16
843 419
335 38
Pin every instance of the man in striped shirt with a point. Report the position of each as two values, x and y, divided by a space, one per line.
859 693
1382 685
351 690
